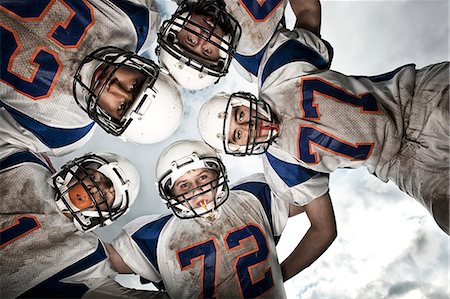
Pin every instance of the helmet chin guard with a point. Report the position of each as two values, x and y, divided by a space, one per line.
181 157
82 194
215 116
188 69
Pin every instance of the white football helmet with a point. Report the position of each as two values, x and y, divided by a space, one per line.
157 109
214 123
83 194
181 157
188 69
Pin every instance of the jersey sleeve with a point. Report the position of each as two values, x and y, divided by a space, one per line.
21 131
293 53
137 245
292 182
276 210
146 19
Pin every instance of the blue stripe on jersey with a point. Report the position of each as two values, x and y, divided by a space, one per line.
138 15
250 63
54 288
147 238
262 192
21 157
291 174
292 51
260 10
383 77
25 11
50 136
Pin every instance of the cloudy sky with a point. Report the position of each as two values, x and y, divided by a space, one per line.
388 246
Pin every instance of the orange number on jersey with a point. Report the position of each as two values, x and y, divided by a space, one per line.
46 64
21 227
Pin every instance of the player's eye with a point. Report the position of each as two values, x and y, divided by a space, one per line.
191 41
241 116
203 177
184 186
238 134
122 106
134 85
207 51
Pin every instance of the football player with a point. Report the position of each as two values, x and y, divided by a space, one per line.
396 124
199 41
47 249
48 57
218 240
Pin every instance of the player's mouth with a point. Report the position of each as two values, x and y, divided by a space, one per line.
264 128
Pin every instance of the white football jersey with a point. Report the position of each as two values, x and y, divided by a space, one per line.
258 20
330 120
42 45
42 253
233 256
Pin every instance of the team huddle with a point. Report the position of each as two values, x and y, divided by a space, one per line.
69 66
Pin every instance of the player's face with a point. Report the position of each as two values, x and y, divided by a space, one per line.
243 123
97 184
120 91
196 183
195 44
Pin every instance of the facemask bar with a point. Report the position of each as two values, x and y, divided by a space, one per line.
110 59
97 213
227 47
75 172
176 202
256 107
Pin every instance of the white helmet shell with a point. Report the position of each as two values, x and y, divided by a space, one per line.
181 157
215 116
159 116
119 170
185 75
188 69
213 121
157 109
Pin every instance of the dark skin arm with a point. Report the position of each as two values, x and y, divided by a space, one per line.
316 240
308 13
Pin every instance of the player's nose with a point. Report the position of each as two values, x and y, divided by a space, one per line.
117 91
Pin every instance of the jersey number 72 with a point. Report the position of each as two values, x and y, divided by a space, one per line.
207 253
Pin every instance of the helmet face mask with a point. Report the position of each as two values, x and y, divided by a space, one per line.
189 69
218 113
145 103
95 189
89 87
180 160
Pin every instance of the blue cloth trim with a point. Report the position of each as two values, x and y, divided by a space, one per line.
291 174
291 51
147 238
382 77
139 16
54 288
50 136
250 63
21 157
263 193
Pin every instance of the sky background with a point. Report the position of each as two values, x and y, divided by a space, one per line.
388 246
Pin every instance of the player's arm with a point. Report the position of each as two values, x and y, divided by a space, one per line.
116 260
308 14
316 240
